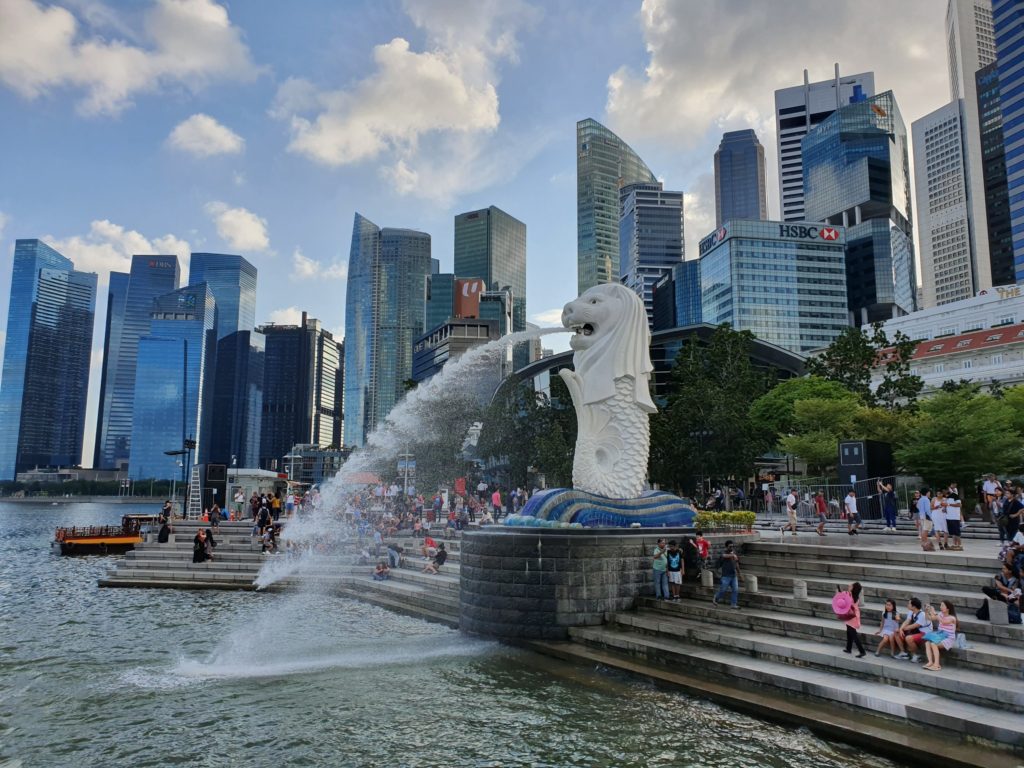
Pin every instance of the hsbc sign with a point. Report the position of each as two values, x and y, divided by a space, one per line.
803 232
712 240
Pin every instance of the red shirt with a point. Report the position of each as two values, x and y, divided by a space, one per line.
429 542
702 546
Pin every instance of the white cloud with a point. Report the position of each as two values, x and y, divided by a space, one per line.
411 97
699 212
685 96
305 268
109 247
185 43
548 317
202 136
241 229
3 223
286 316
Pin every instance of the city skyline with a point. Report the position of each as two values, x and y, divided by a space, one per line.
247 151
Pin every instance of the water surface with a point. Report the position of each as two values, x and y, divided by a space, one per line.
122 677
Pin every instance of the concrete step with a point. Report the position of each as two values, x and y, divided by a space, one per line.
974 530
170 583
180 574
980 687
933 579
437 602
440 582
916 707
868 551
875 594
983 655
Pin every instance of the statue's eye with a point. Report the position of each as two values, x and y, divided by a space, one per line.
593 301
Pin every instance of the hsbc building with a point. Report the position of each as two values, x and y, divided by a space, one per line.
783 281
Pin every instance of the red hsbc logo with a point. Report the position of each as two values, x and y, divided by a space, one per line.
828 233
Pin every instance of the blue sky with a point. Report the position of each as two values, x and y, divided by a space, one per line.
262 127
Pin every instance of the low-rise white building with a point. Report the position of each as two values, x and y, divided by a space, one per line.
992 308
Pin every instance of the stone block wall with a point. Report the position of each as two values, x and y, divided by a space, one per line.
536 583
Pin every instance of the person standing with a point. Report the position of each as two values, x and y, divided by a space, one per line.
239 503
988 492
852 514
790 512
821 507
853 623
924 516
729 563
888 499
674 568
659 565
939 519
954 518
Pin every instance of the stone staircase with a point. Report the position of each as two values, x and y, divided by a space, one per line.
794 645
973 529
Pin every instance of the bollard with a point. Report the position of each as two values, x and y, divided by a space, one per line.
800 590
750 582
707 578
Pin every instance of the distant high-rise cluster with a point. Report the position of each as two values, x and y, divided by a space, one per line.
187 376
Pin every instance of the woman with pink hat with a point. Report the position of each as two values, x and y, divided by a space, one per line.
846 606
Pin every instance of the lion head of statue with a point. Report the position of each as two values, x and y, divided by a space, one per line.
611 340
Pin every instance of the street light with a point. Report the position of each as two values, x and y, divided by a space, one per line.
174 489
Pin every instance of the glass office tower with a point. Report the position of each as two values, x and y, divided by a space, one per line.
604 164
302 372
46 361
993 163
785 282
117 290
384 314
491 245
650 238
440 299
741 189
232 280
857 175
238 399
1008 23
150 277
175 365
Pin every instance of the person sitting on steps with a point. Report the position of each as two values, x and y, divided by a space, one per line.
439 559
942 638
913 630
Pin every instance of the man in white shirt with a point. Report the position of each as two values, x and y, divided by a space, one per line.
988 490
852 514
790 512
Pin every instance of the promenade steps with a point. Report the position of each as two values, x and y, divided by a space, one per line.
973 529
750 674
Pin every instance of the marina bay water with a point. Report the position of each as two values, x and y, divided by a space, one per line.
125 677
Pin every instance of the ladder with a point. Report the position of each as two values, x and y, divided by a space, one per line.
194 509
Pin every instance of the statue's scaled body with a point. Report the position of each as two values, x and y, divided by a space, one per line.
610 390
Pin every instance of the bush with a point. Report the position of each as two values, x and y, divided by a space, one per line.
712 521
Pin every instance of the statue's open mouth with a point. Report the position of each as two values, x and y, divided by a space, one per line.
584 330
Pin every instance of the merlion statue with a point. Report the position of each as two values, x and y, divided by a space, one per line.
610 389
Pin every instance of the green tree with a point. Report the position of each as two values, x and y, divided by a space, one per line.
819 425
705 430
960 436
850 359
773 414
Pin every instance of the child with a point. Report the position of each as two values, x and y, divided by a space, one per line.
941 639
853 622
887 629
674 566
381 572
703 548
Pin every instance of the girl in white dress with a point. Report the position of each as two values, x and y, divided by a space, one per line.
887 629
939 519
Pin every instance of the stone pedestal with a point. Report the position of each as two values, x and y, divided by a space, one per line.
536 583
707 578
800 589
750 582
997 611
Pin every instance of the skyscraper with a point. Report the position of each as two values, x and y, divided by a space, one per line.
440 301
232 280
741 191
993 162
150 277
1008 25
797 110
857 175
491 245
117 291
238 399
302 371
604 164
970 46
785 282
650 238
46 360
172 393
384 313
943 207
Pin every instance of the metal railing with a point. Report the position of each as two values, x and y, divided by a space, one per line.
772 505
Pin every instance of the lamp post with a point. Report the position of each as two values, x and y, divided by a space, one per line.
174 490
405 457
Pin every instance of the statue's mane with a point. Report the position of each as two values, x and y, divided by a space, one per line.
623 349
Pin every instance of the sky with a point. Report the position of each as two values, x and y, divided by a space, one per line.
261 128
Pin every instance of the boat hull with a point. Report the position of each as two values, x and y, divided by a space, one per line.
105 546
